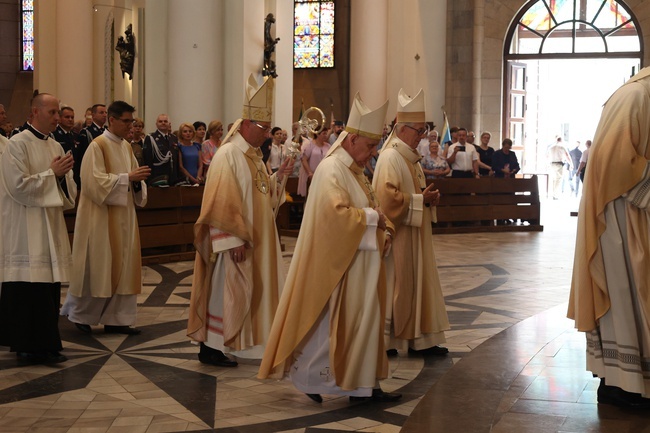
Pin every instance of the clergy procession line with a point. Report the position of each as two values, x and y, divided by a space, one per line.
329 329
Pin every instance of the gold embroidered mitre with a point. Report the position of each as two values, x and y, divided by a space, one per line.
258 104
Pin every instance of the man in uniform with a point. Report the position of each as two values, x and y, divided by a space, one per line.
328 331
238 271
610 291
87 135
106 247
36 186
419 317
160 153
63 132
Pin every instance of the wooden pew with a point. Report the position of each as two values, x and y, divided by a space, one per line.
166 223
480 205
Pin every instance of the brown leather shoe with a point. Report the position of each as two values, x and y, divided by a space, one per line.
217 358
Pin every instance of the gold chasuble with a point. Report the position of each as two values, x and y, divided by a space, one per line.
617 168
106 245
418 306
237 209
335 288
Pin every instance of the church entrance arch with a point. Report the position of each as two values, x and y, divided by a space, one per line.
562 60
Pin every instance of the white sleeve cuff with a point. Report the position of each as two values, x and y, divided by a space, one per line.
119 194
369 239
222 241
416 208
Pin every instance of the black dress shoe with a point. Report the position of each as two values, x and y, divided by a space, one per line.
392 353
86 329
126 330
316 397
34 358
379 396
435 350
217 358
618 397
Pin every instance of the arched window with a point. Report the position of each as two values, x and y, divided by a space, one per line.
576 28
313 34
27 26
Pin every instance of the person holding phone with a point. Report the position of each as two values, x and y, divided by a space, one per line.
463 158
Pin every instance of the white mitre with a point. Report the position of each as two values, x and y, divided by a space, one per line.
258 104
366 122
410 110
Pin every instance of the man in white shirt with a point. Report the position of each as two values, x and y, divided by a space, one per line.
463 157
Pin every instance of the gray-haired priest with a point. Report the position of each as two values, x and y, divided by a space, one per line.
238 271
328 331
419 317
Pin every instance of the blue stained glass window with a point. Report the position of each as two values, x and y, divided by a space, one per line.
28 35
313 34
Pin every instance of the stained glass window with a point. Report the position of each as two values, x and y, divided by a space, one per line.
313 34
28 35
575 26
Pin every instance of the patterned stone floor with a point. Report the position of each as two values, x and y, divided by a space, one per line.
154 383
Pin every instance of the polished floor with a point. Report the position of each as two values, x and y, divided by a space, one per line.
515 363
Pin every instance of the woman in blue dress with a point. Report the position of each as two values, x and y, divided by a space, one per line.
189 161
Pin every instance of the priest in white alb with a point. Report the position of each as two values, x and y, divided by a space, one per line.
238 271
327 334
106 247
416 316
36 187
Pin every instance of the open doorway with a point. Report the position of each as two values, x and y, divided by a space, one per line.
562 61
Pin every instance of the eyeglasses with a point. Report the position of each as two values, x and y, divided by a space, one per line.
420 131
127 121
262 127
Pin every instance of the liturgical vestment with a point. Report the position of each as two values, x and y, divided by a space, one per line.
106 245
610 290
34 244
232 305
328 329
413 285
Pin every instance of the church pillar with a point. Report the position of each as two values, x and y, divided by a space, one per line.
195 84
369 51
155 62
283 29
45 31
433 19
74 80
477 66
243 54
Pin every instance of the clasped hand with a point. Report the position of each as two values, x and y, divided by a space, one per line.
62 164
140 173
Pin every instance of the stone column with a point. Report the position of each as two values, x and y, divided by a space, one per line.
155 62
195 61
433 19
283 28
73 72
369 51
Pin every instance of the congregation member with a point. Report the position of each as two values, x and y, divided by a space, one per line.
504 161
610 290
189 156
63 132
107 274
36 187
87 135
276 150
328 332
238 270
462 157
485 154
137 140
209 147
434 166
160 153
200 129
312 155
558 156
337 128
582 166
416 309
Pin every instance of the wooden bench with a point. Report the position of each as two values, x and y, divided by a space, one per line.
166 223
290 213
487 205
